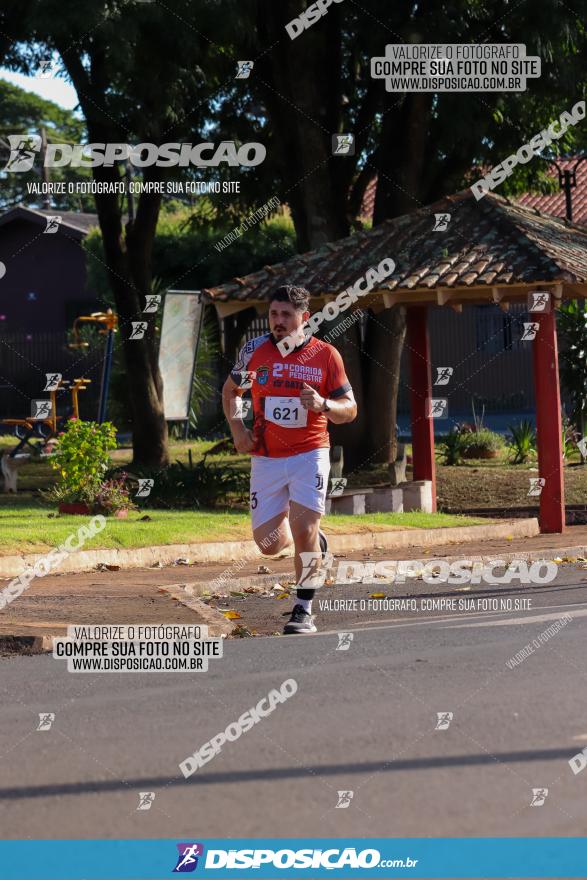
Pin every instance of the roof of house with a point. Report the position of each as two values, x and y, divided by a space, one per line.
555 202
488 243
551 204
76 222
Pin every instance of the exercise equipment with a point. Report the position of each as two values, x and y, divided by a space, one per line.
108 324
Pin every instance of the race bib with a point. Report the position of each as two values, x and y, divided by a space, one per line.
286 411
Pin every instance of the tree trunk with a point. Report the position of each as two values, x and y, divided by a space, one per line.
400 162
352 436
401 156
384 343
129 259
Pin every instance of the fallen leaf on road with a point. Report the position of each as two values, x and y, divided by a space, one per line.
263 569
182 561
377 596
231 615
103 566
283 596
157 564
237 594
254 590
241 632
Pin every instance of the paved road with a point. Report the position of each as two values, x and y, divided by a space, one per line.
362 720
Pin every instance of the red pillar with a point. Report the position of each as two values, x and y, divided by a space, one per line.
420 391
549 424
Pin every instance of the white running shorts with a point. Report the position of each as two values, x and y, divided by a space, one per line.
275 482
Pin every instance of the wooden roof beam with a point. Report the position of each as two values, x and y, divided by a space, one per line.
226 309
443 295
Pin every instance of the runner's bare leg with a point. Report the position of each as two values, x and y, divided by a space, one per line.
304 524
275 535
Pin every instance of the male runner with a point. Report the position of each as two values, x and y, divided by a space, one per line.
293 397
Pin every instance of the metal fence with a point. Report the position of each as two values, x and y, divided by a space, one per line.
492 366
25 358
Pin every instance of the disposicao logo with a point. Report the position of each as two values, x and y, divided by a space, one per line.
187 859
24 149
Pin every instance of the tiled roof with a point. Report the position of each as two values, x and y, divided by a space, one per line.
551 204
555 203
493 242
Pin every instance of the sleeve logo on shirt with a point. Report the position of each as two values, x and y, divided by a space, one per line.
262 375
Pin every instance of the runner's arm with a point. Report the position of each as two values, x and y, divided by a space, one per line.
340 410
242 437
343 409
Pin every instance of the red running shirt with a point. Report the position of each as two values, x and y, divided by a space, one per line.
278 420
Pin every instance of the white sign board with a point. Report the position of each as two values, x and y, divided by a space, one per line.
180 331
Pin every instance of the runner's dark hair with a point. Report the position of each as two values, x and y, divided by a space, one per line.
299 297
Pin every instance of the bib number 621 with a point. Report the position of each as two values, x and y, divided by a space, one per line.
287 414
286 411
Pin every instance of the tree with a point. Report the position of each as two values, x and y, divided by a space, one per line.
421 146
25 113
138 79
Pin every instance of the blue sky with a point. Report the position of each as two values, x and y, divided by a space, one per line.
52 89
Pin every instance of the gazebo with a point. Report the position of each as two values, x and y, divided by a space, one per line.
488 251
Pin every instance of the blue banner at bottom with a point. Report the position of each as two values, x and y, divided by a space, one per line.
486 857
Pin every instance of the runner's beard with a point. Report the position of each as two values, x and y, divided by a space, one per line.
297 335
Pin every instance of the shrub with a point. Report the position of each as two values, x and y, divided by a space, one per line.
523 441
113 495
481 444
82 458
453 446
199 485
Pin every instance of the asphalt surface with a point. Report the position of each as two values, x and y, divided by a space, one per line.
362 720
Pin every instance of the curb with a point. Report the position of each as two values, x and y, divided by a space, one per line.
230 551
25 645
218 625
199 588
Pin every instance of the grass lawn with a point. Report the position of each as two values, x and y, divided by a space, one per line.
26 527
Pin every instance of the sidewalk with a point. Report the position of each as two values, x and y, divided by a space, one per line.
53 603
173 594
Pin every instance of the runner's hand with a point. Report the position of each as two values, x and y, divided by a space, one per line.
245 441
310 399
